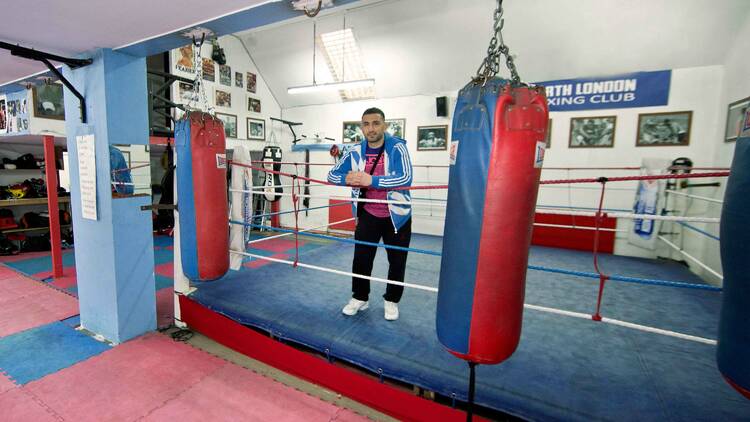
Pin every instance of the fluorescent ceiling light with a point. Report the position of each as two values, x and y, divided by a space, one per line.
359 83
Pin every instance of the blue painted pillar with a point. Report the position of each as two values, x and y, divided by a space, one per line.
114 253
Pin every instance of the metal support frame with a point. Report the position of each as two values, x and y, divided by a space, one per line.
160 102
31 54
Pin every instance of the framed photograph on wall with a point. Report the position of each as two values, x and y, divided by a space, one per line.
548 138
664 129
225 75
209 74
352 132
223 98
735 116
3 114
256 129
185 91
396 127
238 79
253 104
432 138
230 124
252 82
48 101
184 59
592 132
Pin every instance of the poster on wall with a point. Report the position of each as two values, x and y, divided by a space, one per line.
352 132
223 98
48 101
735 116
238 79
225 75
664 129
3 111
208 70
253 104
432 138
87 175
17 113
640 89
184 59
251 82
396 127
592 132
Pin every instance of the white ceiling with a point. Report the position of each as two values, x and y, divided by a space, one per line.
71 27
430 46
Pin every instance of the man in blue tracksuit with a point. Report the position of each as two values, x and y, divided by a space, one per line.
373 169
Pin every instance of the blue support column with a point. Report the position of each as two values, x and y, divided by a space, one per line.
114 254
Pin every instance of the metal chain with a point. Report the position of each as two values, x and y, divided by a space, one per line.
199 90
490 66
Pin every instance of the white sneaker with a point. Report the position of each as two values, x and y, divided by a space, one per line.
354 306
391 310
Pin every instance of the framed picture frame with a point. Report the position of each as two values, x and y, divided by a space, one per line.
735 119
238 80
256 129
230 124
253 105
592 132
396 127
209 72
48 101
225 75
352 132
185 91
252 82
222 98
432 138
184 59
671 128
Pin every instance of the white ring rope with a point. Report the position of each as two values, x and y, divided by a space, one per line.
623 324
301 231
526 305
564 226
692 258
690 195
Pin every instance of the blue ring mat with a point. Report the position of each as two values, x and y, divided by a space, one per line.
565 368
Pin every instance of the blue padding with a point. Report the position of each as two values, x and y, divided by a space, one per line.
564 369
32 266
186 200
472 130
35 353
162 256
734 330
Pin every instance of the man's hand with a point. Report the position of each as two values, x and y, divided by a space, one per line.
358 178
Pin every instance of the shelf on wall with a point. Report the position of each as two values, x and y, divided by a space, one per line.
32 229
30 201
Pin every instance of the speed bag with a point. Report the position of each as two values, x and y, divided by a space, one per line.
496 156
272 181
202 196
733 351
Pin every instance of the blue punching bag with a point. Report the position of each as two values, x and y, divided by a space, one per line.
733 352
497 150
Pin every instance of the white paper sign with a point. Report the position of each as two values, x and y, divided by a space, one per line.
87 175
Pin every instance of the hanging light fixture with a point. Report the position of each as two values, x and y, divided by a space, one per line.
331 86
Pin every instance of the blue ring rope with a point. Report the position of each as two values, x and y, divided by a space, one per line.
691 227
636 280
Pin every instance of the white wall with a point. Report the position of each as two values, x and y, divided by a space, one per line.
240 61
735 86
694 89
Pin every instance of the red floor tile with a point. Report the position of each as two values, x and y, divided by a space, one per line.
25 303
18 405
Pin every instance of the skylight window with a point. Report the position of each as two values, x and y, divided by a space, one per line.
345 62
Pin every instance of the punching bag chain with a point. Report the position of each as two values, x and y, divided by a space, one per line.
199 90
491 64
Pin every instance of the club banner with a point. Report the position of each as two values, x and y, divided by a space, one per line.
641 89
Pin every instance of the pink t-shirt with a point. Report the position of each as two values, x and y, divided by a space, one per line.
376 209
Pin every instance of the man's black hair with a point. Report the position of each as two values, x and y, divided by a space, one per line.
374 110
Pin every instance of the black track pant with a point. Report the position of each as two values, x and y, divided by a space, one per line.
372 229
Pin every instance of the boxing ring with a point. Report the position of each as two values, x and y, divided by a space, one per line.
610 338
